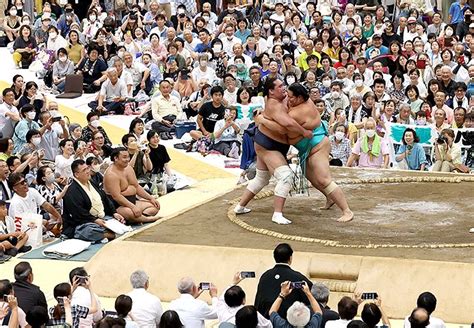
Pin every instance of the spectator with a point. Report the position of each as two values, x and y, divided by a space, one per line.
226 133
15 316
447 153
269 286
49 189
192 311
12 242
28 114
426 305
158 154
411 155
29 296
146 308
93 69
170 319
64 160
419 318
347 309
51 132
24 47
37 317
340 146
123 305
6 192
112 95
140 74
9 114
93 125
165 110
298 314
320 293
372 313
209 114
139 158
61 68
82 295
86 207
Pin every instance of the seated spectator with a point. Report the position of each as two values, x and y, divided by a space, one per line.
111 322
269 286
37 317
86 207
370 150
123 305
9 114
146 308
347 309
93 125
49 189
82 295
447 154
29 296
5 191
372 313
340 145
121 184
459 118
139 159
97 177
24 47
98 147
298 314
33 140
165 109
64 160
28 200
209 114
15 316
158 154
75 131
137 129
404 116
426 305
12 242
192 311
232 301
411 154
30 96
63 293
440 123
170 319
226 133
93 69
140 74
61 68
185 83
112 95
27 123
320 293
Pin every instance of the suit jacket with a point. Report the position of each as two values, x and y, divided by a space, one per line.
269 288
29 295
77 206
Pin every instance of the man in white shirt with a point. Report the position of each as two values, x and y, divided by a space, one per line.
191 311
238 50
347 309
411 30
140 74
203 71
427 301
165 109
124 76
230 93
8 114
146 307
83 296
28 200
229 39
113 93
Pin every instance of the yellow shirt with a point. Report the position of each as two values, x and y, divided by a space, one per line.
302 60
74 52
161 107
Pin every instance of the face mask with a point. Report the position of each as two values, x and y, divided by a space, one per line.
290 80
359 83
53 35
95 124
420 122
95 168
54 113
370 133
327 83
203 63
350 27
313 34
50 178
92 18
449 33
26 22
286 40
277 30
206 18
36 141
266 26
13 12
63 59
31 115
339 135
240 67
335 94
217 48
120 54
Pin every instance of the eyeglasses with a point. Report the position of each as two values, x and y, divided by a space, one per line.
22 182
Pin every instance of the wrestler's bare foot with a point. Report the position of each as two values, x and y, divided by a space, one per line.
347 216
328 205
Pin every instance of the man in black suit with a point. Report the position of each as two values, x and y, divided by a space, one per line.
270 282
86 207
321 293
27 294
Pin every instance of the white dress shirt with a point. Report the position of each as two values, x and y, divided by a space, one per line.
193 312
146 308
341 323
434 323
82 296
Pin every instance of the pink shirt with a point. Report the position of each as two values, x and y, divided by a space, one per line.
364 158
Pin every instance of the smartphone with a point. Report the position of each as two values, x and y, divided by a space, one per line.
60 300
204 285
421 64
57 119
297 284
247 274
81 279
5 298
369 296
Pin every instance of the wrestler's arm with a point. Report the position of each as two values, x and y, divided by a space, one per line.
112 185
280 115
269 124
132 179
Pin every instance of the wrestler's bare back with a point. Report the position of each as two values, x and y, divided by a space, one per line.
306 115
272 107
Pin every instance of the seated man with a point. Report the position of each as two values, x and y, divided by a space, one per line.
11 241
86 207
113 93
193 312
122 185
29 200
146 307
165 109
28 295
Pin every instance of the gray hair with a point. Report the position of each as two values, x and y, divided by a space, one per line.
138 279
404 105
112 70
320 292
298 314
356 96
185 285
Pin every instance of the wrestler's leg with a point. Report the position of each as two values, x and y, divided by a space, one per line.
319 174
149 212
127 214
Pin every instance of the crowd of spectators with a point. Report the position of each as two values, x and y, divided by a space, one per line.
285 298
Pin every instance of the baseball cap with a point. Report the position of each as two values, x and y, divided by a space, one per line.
411 20
376 36
45 16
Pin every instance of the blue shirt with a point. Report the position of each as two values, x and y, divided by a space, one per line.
242 35
416 157
19 137
201 47
456 12
383 51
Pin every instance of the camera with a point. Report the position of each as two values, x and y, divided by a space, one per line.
369 296
181 15
57 119
204 285
132 17
297 284
441 140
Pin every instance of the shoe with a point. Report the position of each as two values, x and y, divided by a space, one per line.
12 251
164 136
4 258
280 219
241 209
170 137
25 249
